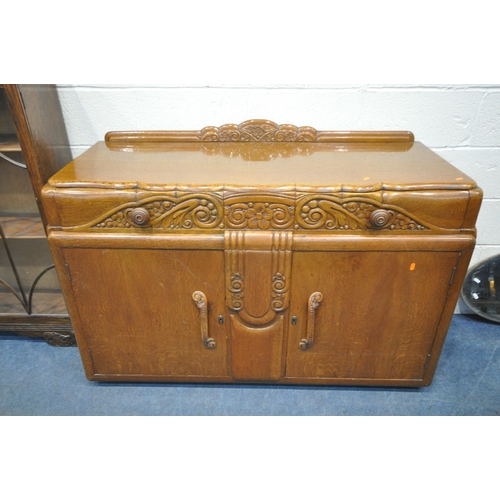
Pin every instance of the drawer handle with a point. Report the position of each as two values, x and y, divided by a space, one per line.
381 218
314 301
201 301
140 216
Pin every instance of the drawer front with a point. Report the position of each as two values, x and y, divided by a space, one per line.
432 212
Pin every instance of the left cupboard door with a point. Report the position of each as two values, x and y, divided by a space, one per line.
134 314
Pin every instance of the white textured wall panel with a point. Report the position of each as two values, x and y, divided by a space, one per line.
488 223
90 112
482 164
487 128
438 118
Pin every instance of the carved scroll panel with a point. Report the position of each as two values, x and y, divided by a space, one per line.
165 212
266 211
262 292
322 212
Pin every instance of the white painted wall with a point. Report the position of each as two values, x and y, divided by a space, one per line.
459 122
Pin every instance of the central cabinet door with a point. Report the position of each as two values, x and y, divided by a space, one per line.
370 314
257 295
138 317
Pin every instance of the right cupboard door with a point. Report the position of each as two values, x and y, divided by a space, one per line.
377 315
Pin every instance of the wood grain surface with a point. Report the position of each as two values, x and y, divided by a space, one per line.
377 318
135 310
349 168
257 218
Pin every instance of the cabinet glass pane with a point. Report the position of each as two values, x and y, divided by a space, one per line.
24 253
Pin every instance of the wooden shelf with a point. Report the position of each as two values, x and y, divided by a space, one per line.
44 303
9 143
22 227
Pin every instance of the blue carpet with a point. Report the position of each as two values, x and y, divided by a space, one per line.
37 379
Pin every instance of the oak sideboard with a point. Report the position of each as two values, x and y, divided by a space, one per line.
261 253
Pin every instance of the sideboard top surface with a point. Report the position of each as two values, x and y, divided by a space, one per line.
340 166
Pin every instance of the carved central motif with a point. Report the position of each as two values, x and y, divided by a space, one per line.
259 215
258 131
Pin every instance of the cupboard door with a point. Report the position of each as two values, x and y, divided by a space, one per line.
137 314
376 316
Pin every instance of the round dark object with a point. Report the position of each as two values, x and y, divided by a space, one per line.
381 218
481 289
140 216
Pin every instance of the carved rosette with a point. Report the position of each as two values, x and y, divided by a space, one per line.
342 214
258 131
259 215
188 212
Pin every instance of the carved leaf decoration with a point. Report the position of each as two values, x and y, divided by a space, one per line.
319 213
352 223
337 218
167 212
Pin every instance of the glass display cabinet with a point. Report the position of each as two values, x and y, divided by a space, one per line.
33 146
